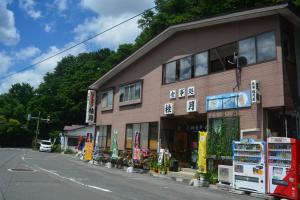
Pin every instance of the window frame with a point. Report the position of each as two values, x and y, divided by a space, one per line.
106 91
130 102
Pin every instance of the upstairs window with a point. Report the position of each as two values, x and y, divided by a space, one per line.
185 68
201 64
247 50
107 100
170 72
131 93
266 47
222 57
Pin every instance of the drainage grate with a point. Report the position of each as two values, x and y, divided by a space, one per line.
21 170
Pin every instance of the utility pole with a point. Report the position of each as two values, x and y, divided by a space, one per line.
38 118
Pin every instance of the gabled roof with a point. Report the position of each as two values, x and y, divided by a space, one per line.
282 9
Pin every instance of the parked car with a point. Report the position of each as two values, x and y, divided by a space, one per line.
46 146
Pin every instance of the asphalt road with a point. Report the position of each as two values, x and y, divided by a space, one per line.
55 176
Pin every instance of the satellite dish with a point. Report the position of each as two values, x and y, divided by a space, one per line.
242 61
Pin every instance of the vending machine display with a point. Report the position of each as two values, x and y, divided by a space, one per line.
283 167
249 166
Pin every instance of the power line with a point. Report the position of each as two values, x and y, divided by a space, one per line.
75 45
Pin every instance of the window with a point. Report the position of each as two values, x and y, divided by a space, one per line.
131 93
148 133
107 100
247 49
266 48
104 136
201 64
170 72
185 68
222 57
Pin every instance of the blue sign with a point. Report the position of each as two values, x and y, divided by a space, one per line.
228 101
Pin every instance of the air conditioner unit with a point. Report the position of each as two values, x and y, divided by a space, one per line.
225 174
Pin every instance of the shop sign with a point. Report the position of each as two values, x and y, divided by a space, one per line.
90 106
191 91
168 108
88 155
161 156
228 101
202 152
114 145
181 92
255 93
191 105
172 94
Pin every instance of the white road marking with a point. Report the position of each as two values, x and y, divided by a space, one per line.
75 181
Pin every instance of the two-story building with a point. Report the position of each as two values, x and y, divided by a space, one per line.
239 69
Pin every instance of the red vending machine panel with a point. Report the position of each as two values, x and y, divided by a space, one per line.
283 167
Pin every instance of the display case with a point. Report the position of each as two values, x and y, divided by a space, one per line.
283 167
249 166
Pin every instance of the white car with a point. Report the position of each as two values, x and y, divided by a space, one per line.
46 146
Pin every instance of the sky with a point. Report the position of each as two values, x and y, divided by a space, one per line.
32 30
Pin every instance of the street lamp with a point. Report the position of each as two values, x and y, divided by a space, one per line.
38 118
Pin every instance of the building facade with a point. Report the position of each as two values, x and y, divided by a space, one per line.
237 70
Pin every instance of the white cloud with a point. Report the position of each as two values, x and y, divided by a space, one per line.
47 28
116 7
8 32
61 5
35 76
5 63
111 13
124 33
28 7
26 53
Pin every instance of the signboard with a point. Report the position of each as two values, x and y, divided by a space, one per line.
191 91
255 93
114 145
191 106
90 106
228 101
172 94
161 156
168 108
181 92
88 155
202 152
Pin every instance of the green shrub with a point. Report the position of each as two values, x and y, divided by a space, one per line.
56 148
69 151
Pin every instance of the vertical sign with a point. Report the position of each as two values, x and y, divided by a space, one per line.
202 152
255 94
88 155
136 147
90 106
115 145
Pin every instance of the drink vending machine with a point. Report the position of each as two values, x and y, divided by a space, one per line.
283 167
249 168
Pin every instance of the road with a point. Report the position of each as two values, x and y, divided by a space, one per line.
62 177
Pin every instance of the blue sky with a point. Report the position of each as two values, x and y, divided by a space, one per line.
31 30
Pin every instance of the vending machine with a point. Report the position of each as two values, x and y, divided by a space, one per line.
283 167
249 166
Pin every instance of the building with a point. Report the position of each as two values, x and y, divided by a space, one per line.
73 133
187 79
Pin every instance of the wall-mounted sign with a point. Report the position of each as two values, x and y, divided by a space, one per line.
90 106
191 106
168 108
191 91
228 101
255 93
181 92
172 94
